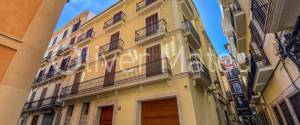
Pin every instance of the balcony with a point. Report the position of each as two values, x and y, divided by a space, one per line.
85 38
191 33
239 24
114 47
78 63
187 9
275 15
114 22
263 68
148 73
152 32
42 104
148 5
56 74
46 59
199 72
65 50
242 105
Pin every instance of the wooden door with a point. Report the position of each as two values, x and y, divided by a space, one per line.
55 93
114 41
42 96
106 116
160 112
76 83
35 120
152 24
110 70
153 61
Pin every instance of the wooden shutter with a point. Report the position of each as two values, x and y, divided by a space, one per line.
89 32
106 116
35 120
76 83
153 61
72 42
152 24
160 112
287 113
114 41
110 70
51 71
64 64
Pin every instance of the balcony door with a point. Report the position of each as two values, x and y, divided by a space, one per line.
31 99
106 116
35 120
84 54
42 96
89 33
114 41
55 93
110 70
148 2
64 64
152 24
51 71
153 61
47 119
76 83
117 17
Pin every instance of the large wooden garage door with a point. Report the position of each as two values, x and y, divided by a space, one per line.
160 112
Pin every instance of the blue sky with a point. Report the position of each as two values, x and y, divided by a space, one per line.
209 11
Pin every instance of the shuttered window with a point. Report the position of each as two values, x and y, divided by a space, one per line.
69 115
153 61
84 113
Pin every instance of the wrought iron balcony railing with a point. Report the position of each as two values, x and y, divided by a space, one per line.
132 76
64 49
114 20
50 75
189 27
41 104
85 36
143 4
151 29
259 56
78 61
113 45
260 10
198 67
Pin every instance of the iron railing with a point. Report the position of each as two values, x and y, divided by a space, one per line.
259 56
143 4
114 20
41 104
151 29
113 45
65 48
260 10
77 61
189 27
85 36
198 67
122 77
45 77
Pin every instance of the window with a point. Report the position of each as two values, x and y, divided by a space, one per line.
237 87
69 115
84 113
279 119
287 114
72 42
65 34
296 103
84 54
64 64
54 41
76 26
